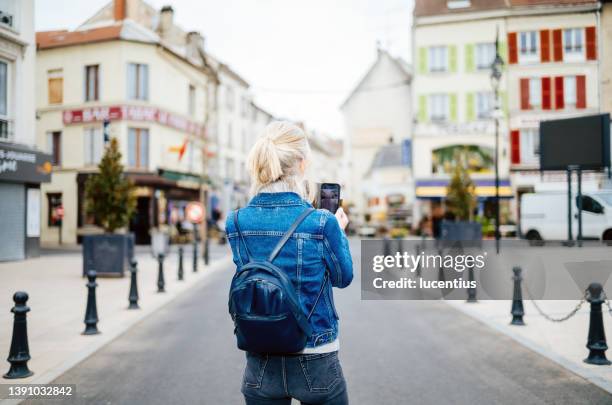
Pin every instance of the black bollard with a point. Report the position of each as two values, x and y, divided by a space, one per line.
517 298
471 292
180 264
418 269
91 313
386 246
441 276
161 283
596 342
19 354
133 297
206 250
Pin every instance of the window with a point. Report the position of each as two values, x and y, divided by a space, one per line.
530 146
5 130
484 104
438 105
55 80
485 54
590 205
192 99
535 92
229 98
230 135
138 81
93 145
54 209
244 107
437 59
528 46
138 148
54 147
92 83
569 90
572 40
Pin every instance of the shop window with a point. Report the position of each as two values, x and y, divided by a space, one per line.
55 84
92 81
54 209
138 148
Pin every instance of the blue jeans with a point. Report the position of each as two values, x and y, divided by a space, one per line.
310 378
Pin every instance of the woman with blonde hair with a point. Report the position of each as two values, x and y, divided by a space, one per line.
288 257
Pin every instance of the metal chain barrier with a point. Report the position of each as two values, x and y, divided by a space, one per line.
563 318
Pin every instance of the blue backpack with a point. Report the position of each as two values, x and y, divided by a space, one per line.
264 305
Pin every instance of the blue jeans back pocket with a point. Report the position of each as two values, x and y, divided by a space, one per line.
321 370
255 369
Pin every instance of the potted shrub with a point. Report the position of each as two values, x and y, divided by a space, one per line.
461 202
110 199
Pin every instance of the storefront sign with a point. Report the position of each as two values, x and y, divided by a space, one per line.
133 113
24 165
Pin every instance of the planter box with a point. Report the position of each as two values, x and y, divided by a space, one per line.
461 231
108 254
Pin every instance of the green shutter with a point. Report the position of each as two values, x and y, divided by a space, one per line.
469 107
503 98
503 52
452 58
422 117
469 57
452 106
422 60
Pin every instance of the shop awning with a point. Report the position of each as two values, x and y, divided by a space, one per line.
436 188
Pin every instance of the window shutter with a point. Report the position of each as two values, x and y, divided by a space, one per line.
452 58
503 97
524 90
502 48
469 57
422 60
557 46
546 100
452 102
515 147
580 91
545 46
512 48
591 43
559 97
469 106
422 108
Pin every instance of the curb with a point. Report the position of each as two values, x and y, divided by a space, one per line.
587 374
105 338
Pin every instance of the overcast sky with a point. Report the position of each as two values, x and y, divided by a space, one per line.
301 57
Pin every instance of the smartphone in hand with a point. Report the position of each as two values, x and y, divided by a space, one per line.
329 197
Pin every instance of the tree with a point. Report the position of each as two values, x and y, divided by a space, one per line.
460 194
109 196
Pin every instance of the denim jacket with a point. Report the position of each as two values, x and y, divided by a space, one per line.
318 246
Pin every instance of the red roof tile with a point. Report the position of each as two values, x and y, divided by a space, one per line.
54 39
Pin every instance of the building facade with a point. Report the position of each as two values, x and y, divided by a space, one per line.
454 46
22 166
378 111
129 73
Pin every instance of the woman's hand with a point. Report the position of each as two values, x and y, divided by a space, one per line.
342 218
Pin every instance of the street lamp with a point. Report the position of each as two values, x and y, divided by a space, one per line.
496 73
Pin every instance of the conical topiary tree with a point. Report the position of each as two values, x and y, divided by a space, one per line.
460 193
109 196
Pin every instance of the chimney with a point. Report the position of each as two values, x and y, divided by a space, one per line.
195 43
119 10
166 17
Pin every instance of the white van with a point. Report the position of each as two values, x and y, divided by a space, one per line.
544 215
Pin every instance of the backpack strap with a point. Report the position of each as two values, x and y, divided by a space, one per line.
248 253
288 234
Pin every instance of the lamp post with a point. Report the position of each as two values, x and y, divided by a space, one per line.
496 73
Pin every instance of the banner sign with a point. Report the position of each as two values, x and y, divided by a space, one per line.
133 113
24 165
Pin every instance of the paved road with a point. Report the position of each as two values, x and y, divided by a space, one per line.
393 352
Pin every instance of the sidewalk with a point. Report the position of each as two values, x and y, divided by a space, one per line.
562 342
58 298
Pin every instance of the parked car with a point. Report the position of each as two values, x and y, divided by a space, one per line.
544 216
